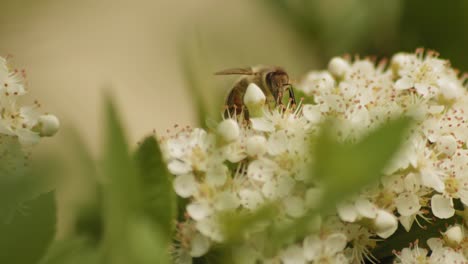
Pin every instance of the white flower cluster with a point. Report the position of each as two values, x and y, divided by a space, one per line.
20 126
240 166
451 248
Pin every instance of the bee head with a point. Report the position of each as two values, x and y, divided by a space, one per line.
277 81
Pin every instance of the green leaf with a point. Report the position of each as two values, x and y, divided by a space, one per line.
89 215
72 251
125 213
21 179
159 197
345 168
235 225
26 237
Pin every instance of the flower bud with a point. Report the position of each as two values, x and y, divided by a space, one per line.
454 235
385 224
49 125
338 67
254 99
229 130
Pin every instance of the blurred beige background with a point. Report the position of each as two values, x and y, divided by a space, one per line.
72 49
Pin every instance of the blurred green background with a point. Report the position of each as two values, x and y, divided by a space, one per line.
143 50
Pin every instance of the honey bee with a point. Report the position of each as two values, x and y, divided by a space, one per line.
273 80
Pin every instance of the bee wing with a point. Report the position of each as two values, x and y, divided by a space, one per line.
236 71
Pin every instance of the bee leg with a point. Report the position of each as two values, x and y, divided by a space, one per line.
291 95
246 114
279 98
228 111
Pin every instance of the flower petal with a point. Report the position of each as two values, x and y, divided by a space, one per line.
407 203
185 185
199 210
347 212
179 167
365 208
199 245
442 207
312 247
404 83
334 243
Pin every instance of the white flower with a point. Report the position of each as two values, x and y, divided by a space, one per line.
421 74
191 151
24 122
21 122
361 239
456 184
442 254
412 255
